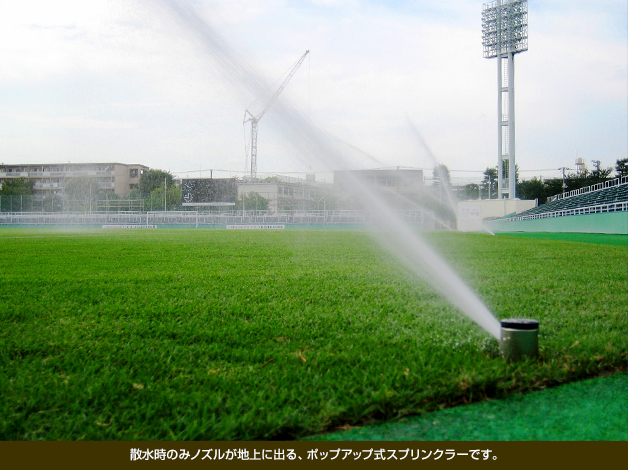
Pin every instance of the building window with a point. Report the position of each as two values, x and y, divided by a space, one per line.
134 186
133 172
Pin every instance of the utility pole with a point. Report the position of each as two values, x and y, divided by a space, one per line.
563 169
489 185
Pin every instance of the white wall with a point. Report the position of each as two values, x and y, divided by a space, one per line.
471 214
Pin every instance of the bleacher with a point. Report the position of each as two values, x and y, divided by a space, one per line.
600 197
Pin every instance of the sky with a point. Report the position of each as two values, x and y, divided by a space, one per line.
128 81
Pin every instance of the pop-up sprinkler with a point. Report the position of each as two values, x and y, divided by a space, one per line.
519 339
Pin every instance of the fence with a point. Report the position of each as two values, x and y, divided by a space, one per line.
20 203
205 218
614 207
57 203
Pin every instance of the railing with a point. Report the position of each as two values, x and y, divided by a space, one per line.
196 218
590 189
613 207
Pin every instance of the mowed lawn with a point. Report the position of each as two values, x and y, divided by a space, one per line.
225 335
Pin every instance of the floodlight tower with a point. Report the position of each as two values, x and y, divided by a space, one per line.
505 33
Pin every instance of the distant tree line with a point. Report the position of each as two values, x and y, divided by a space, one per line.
536 188
157 190
543 189
12 194
17 187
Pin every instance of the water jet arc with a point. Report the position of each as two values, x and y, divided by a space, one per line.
398 237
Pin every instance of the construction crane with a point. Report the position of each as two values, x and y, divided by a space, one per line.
254 119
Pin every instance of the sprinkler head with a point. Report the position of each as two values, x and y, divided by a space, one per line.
520 339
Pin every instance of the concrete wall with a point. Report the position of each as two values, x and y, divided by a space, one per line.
607 222
471 214
122 180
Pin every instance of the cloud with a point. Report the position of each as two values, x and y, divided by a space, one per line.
67 122
119 66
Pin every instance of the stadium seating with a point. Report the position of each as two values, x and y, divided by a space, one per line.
594 198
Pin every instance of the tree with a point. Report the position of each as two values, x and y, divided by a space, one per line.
599 175
156 201
471 191
553 187
542 190
490 182
441 181
622 167
252 202
441 175
532 189
17 187
154 179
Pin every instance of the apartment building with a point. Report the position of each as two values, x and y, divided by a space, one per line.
119 178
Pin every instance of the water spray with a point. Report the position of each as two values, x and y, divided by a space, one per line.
519 339
392 232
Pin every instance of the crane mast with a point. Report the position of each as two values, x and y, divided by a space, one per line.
254 119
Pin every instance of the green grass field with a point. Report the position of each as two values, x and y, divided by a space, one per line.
224 335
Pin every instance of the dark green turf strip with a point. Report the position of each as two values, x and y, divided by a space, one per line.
599 238
590 410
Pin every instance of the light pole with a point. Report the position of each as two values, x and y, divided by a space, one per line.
504 34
